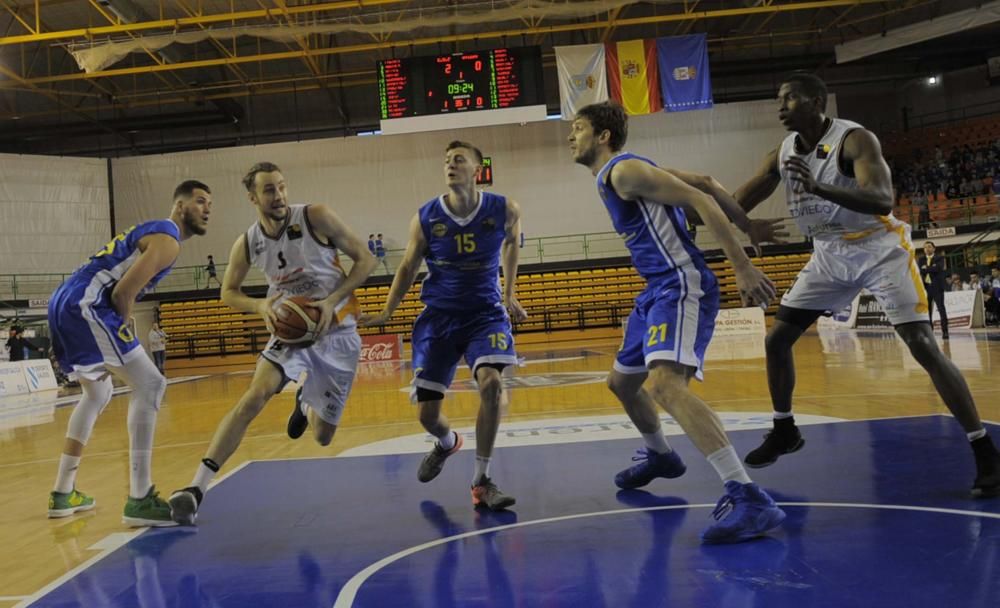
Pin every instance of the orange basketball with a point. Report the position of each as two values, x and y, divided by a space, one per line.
296 322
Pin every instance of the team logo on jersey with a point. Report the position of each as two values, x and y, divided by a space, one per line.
125 333
489 223
294 232
439 230
823 151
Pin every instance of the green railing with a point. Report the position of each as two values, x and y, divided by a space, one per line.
184 278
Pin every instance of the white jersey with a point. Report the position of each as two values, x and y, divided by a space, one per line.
297 263
817 217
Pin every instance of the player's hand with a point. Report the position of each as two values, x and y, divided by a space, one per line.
265 308
800 174
766 231
517 312
327 314
754 286
373 320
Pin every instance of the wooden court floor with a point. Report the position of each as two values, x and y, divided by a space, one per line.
844 374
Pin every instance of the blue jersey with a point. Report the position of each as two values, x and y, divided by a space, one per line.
656 235
108 266
463 254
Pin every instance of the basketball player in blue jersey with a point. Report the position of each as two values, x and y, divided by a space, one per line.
839 190
296 247
88 322
465 236
674 317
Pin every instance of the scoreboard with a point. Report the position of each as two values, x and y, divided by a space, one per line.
460 82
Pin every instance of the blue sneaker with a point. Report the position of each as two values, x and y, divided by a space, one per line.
743 513
651 465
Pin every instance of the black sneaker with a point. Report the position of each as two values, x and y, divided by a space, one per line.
433 462
987 483
783 439
297 422
486 494
184 505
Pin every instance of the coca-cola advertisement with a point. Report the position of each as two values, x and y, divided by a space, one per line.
381 347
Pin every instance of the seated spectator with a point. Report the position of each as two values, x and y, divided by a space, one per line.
956 283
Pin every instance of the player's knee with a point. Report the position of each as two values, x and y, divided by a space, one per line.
777 344
922 346
430 414
619 386
490 386
251 404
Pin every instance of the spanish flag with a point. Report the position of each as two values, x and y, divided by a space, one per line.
633 78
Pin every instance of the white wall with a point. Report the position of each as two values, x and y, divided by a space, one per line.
53 212
377 183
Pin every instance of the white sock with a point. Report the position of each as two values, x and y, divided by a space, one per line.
304 408
656 441
448 440
66 477
203 477
141 476
976 435
782 415
727 464
482 469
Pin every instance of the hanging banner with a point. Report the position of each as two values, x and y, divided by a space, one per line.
684 73
583 77
633 75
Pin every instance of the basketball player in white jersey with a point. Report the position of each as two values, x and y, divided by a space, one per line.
839 192
296 248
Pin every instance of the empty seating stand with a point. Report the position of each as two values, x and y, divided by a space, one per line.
555 300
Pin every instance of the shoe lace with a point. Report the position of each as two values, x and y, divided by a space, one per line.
642 454
723 507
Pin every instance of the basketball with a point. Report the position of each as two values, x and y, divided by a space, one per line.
296 322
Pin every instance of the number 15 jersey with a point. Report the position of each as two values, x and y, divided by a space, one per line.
463 254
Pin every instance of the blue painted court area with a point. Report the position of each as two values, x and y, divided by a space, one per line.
878 515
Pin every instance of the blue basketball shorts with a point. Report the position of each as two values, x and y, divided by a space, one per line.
442 338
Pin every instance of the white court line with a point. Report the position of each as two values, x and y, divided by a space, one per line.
350 589
11 598
109 544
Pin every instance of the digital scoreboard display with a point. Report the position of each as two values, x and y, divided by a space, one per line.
460 82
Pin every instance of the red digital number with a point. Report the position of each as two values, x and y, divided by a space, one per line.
478 65
479 101
447 68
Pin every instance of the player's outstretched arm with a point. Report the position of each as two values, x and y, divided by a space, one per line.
874 192
330 226
405 275
762 185
233 296
158 251
634 179
509 253
759 231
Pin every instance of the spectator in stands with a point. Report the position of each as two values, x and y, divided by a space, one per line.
210 269
158 346
991 296
380 253
957 284
933 274
16 344
996 185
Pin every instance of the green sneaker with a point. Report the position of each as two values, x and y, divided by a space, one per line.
64 505
151 510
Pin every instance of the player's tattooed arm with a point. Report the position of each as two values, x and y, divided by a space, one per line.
330 226
158 251
233 296
405 275
509 257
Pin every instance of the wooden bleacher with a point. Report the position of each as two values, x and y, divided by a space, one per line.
555 300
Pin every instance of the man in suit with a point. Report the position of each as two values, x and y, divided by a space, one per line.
933 275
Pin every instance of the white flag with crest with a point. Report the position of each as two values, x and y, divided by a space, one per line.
583 77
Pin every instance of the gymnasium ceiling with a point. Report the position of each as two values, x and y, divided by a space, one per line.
208 73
